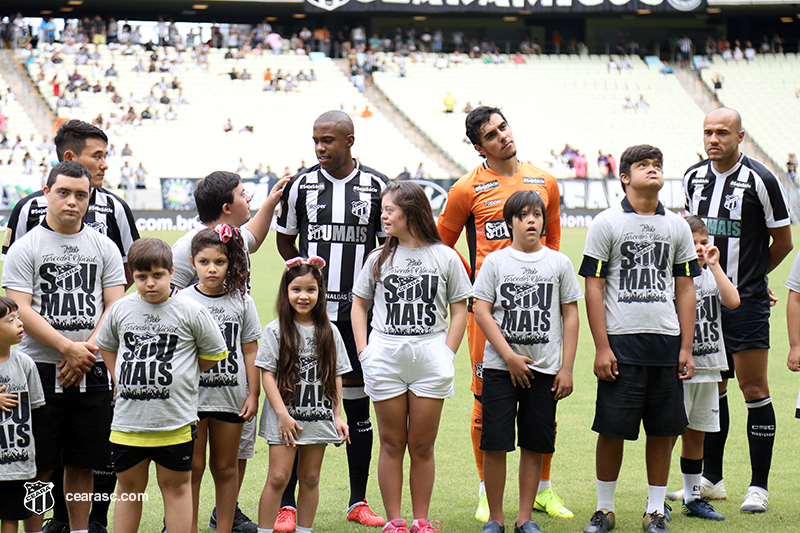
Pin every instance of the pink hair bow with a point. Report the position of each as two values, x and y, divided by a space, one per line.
314 261
224 232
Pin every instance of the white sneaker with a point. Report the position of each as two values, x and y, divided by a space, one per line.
708 491
756 500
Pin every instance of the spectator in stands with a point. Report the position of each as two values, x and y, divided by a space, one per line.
612 65
641 104
685 51
75 102
777 44
228 126
602 163
717 80
164 99
628 104
449 103
366 113
518 59
111 72
180 99
738 54
580 165
126 173
467 108
442 62
791 167
703 63
612 167
557 40
667 69
170 114
126 151
245 75
151 98
749 51
624 64
141 174
420 174
404 175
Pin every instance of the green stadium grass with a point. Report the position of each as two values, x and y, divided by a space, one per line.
455 493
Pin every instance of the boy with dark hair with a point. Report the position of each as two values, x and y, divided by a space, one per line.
637 256
172 340
63 276
476 202
526 304
20 392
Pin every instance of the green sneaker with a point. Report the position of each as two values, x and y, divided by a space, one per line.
482 513
548 502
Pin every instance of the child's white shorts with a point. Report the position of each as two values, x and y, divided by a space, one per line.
394 364
702 406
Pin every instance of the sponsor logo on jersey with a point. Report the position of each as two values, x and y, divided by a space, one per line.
685 5
312 187
360 188
741 185
316 207
490 203
699 181
360 208
339 296
102 209
98 226
342 233
38 210
533 181
496 230
732 202
723 227
487 186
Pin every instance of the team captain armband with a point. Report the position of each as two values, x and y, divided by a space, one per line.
220 356
594 268
689 269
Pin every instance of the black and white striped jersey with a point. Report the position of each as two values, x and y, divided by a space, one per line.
338 220
739 207
107 213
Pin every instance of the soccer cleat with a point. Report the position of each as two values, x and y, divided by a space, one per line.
708 491
482 512
655 522
548 502
395 526
601 521
756 500
493 527
426 526
529 526
701 509
360 513
51 525
286 520
241 522
97 527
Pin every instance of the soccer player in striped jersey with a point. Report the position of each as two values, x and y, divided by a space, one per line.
745 208
110 215
475 202
335 208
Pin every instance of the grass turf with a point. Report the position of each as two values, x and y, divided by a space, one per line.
455 493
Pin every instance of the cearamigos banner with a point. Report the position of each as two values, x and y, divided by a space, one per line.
504 6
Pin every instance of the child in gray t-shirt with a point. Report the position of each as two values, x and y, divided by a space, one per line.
157 346
526 305
20 392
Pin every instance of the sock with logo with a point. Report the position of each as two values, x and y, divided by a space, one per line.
761 438
692 471
714 443
104 483
359 451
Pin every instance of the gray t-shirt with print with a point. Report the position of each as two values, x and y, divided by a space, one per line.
793 281
641 253
708 347
185 275
223 388
157 369
17 448
311 408
526 291
415 289
65 275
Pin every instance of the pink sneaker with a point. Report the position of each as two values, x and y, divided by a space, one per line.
426 526
361 513
286 520
395 526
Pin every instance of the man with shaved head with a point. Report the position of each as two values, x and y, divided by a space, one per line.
335 208
745 208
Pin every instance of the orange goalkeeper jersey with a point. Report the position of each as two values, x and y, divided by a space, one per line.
476 202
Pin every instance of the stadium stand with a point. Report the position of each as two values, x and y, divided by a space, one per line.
551 101
765 92
195 143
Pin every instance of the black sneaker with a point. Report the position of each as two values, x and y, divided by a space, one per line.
51 525
528 526
655 522
241 522
601 521
493 527
97 527
701 509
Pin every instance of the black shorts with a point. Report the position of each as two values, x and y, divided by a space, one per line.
745 328
177 457
346 331
231 418
649 395
12 503
533 408
72 429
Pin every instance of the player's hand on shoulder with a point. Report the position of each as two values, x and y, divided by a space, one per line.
605 365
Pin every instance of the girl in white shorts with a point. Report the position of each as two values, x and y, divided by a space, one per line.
408 364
